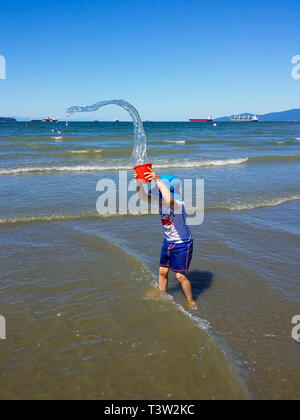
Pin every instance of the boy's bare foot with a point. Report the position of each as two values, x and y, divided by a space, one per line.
192 305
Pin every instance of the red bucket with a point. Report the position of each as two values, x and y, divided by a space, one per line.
141 170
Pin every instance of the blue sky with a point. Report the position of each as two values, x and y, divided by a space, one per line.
172 59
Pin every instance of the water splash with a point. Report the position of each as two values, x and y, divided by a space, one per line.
139 155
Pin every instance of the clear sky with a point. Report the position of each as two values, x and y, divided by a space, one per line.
173 59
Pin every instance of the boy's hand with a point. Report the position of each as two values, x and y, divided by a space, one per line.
151 175
135 176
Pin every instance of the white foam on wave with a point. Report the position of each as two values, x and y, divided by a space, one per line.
203 324
272 202
79 152
82 168
60 217
42 218
176 141
90 168
202 163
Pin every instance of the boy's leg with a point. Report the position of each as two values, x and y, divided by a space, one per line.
163 278
186 286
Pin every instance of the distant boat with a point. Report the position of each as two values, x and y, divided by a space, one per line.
244 118
36 121
52 120
202 120
117 120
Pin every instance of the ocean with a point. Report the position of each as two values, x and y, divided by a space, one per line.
75 285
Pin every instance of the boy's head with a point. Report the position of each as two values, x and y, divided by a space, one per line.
173 183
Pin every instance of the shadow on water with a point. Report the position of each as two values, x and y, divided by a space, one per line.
200 280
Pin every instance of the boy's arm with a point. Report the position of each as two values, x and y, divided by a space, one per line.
165 192
142 195
145 197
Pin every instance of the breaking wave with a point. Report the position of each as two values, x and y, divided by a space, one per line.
159 164
272 202
98 168
274 158
175 141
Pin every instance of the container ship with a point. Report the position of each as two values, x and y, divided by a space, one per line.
46 120
202 120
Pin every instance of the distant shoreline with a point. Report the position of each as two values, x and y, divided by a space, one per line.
7 119
292 115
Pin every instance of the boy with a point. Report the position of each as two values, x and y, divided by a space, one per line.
177 248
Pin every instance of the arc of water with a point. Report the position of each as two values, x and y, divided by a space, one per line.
139 154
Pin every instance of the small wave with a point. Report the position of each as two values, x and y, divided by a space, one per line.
288 142
272 202
159 164
69 217
46 218
175 141
203 324
85 168
274 158
155 142
85 152
28 170
203 163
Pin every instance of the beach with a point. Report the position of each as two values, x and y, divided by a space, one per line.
75 284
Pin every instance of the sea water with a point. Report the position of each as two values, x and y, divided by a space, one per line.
74 285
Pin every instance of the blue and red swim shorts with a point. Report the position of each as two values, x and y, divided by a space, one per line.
177 257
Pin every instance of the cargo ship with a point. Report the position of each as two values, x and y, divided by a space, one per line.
202 120
244 118
52 120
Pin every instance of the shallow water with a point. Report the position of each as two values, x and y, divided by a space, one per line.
73 284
